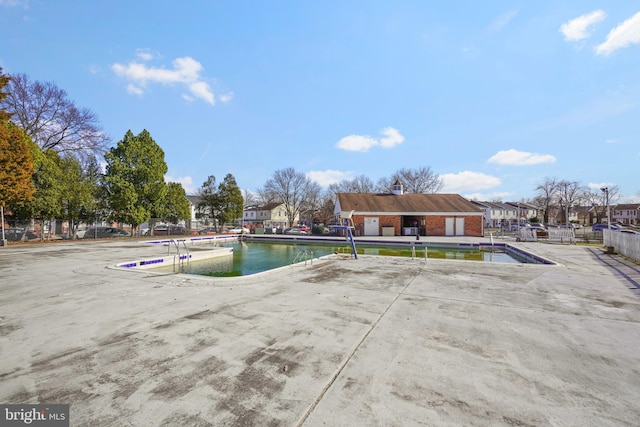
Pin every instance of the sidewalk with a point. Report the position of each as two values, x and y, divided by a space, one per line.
372 341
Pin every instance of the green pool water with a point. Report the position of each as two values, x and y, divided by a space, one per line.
255 257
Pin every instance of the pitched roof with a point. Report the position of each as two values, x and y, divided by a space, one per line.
409 203
626 206
194 200
269 206
496 205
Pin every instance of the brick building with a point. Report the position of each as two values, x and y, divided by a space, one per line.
399 214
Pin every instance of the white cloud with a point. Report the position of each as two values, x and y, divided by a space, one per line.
621 36
520 158
144 54
499 195
598 186
131 88
391 137
328 177
226 97
201 90
186 71
468 181
186 181
577 29
362 143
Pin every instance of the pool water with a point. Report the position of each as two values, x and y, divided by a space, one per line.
255 257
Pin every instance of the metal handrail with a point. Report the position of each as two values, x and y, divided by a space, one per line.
180 257
307 254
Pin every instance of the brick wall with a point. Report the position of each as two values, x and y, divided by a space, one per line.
473 226
435 225
383 221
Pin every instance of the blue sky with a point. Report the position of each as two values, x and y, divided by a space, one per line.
494 96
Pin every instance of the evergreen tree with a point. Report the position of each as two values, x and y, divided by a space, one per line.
208 205
134 180
177 206
230 201
77 192
46 204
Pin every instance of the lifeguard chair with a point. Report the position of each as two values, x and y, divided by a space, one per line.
348 226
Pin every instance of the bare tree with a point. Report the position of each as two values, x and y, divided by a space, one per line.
325 213
291 188
415 181
46 114
569 194
250 198
597 200
312 203
419 181
545 196
265 197
359 184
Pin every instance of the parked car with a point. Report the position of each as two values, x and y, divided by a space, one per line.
17 234
537 226
570 225
629 230
238 230
294 230
208 230
514 227
601 226
169 230
81 232
102 232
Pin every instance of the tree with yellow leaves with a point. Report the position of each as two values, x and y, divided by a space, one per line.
16 162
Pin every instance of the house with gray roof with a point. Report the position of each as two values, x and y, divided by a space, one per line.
269 215
626 213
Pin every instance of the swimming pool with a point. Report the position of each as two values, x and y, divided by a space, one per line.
255 257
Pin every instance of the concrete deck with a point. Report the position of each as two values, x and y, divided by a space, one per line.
374 341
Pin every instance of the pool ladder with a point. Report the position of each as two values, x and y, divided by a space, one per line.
180 258
305 255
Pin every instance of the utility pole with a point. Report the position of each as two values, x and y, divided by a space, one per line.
605 190
566 206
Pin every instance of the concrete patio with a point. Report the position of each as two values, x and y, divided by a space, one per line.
378 341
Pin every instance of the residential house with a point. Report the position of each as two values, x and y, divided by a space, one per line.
269 215
399 214
626 213
496 214
499 214
582 215
557 215
194 223
524 211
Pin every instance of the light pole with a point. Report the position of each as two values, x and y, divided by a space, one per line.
605 190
